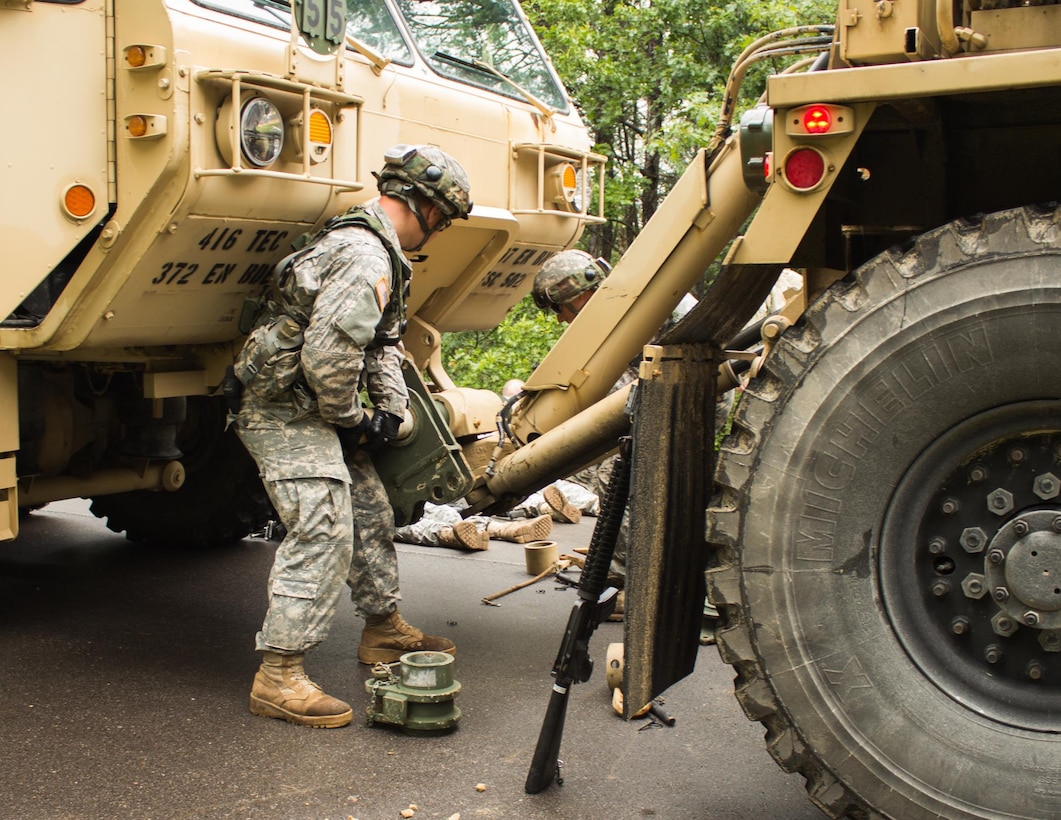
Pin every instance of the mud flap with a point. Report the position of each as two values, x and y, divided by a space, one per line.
671 485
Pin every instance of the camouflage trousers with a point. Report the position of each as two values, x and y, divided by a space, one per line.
582 499
436 518
337 532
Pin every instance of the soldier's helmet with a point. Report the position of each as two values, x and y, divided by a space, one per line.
430 172
566 275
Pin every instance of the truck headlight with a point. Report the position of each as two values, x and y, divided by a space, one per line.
261 132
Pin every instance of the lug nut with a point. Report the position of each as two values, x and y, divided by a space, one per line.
1035 670
996 556
1031 618
973 585
1050 641
940 588
978 473
973 539
993 653
959 625
1021 527
1000 594
1000 501
936 545
1046 486
950 506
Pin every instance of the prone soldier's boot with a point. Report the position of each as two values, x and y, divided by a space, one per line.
557 506
521 532
464 535
283 690
386 638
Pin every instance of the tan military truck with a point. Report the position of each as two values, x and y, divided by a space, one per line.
882 529
161 158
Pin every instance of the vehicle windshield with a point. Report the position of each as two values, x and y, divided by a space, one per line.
485 43
465 39
368 21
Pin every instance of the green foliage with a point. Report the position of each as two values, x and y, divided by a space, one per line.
487 359
647 77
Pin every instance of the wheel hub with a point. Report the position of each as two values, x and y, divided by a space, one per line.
971 567
1022 569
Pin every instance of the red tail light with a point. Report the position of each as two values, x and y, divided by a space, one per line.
805 168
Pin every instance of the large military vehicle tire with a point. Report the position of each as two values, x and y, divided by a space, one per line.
888 527
222 499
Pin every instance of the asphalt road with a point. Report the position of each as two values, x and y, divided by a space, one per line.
125 673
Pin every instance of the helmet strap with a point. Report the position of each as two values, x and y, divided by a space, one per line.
412 201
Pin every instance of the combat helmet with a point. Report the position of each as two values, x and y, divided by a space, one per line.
430 172
565 276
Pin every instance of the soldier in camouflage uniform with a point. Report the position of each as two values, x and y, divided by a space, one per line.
330 327
564 285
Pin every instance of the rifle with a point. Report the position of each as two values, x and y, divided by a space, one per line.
596 601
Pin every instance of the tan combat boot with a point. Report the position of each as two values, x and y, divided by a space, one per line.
386 638
464 535
557 506
283 690
522 532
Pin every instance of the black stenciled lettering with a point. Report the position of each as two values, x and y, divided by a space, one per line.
175 273
255 273
183 274
166 267
219 273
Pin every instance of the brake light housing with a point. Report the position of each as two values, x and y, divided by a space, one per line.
819 120
805 168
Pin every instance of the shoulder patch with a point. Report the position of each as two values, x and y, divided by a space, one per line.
382 293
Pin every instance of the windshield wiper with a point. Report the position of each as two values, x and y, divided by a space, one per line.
265 5
479 65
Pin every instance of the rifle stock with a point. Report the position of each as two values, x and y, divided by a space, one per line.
596 602
546 763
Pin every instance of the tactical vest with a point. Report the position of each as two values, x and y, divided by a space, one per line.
273 350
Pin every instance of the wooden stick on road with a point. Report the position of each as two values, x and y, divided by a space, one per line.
552 569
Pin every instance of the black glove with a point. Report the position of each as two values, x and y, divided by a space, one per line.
350 437
384 430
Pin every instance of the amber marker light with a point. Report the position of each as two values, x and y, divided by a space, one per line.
136 56
562 185
136 125
78 201
320 128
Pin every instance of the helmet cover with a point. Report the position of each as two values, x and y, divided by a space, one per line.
566 275
429 172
